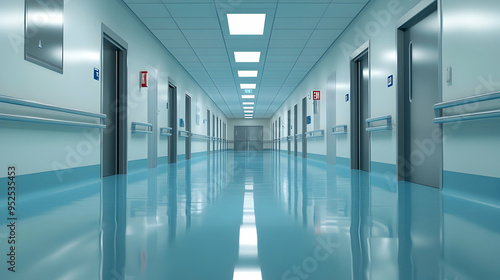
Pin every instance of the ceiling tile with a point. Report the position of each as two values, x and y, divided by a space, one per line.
292 23
343 10
191 10
197 23
149 10
160 23
301 10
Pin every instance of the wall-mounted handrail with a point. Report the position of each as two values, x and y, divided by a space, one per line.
299 136
148 126
289 137
315 133
183 133
7 117
196 136
284 138
38 105
165 131
339 129
465 101
386 126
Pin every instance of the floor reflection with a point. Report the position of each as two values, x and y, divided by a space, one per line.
255 215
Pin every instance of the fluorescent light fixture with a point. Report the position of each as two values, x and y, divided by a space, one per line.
248 74
246 24
247 108
248 103
248 117
247 56
248 111
248 96
248 86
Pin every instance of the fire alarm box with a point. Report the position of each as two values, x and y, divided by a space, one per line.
144 79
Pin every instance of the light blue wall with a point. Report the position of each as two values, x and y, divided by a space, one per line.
42 148
470 45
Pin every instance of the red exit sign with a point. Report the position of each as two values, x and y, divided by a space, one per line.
316 95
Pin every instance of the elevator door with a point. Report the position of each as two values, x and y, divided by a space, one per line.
421 93
110 109
360 112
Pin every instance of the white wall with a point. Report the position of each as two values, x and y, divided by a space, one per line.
470 45
39 148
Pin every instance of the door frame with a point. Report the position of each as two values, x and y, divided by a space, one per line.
353 60
122 46
417 13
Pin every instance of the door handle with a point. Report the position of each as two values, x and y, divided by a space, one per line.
410 71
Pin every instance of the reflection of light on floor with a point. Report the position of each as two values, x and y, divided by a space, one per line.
247 267
247 274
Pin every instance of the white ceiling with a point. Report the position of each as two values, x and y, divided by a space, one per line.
297 33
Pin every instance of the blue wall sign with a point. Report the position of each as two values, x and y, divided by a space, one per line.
390 81
308 119
347 97
96 74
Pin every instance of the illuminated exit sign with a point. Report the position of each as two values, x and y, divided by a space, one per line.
316 95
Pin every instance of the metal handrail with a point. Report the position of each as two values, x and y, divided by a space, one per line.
7 117
38 105
165 131
183 133
149 128
464 101
339 132
387 126
311 134
199 136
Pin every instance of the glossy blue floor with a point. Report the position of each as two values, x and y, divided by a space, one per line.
254 215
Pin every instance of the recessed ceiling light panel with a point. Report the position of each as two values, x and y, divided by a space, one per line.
246 24
248 74
248 96
247 108
248 86
248 103
247 56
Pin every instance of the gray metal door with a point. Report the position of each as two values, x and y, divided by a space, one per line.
295 131
289 132
110 96
360 141
304 127
255 137
279 134
214 124
153 119
188 127
172 122
208 132
331 96
421 93
240 138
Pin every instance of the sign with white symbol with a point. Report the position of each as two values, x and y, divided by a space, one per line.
316 95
